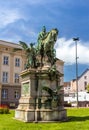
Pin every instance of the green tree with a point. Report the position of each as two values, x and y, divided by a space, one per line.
88 88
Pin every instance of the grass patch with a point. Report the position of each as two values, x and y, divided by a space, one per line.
78 119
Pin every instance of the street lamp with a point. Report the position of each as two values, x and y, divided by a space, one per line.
76 39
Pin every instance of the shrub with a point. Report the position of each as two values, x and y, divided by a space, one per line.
4 109
1 110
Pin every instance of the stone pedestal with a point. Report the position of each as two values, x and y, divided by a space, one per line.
33 105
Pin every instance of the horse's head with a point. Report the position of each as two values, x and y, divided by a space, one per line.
50 39
54 33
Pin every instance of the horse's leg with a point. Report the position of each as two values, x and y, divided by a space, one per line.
50 56
41 60
42 54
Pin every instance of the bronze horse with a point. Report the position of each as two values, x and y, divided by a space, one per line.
47 46
50 40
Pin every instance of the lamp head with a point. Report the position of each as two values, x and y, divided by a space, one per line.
76 39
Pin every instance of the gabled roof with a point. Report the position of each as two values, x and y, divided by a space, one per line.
81 75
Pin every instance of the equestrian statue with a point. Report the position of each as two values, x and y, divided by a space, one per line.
46 41
44 48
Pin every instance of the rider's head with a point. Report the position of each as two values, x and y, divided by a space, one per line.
44 29
31 44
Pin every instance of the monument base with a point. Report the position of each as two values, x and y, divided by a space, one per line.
36 104
40 115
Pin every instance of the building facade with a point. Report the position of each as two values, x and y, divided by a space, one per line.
67 87
83 81
11 64
83 92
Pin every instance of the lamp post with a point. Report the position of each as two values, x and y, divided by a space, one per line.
76 39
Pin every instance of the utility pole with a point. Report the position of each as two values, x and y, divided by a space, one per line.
76 39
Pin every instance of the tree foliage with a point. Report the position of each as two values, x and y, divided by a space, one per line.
88 88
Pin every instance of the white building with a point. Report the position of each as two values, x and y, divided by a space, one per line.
83 99
83 96
83 81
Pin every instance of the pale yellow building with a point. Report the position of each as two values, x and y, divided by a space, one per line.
11 64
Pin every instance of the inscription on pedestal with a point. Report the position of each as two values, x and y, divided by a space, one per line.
26 89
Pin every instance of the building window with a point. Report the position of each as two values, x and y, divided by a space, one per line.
85 77
5 60
17 94
17 62
4 93
5 77
16 78
85 85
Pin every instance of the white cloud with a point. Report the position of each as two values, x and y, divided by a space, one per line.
66 51
8 16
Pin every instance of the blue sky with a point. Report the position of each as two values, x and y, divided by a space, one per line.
23 20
